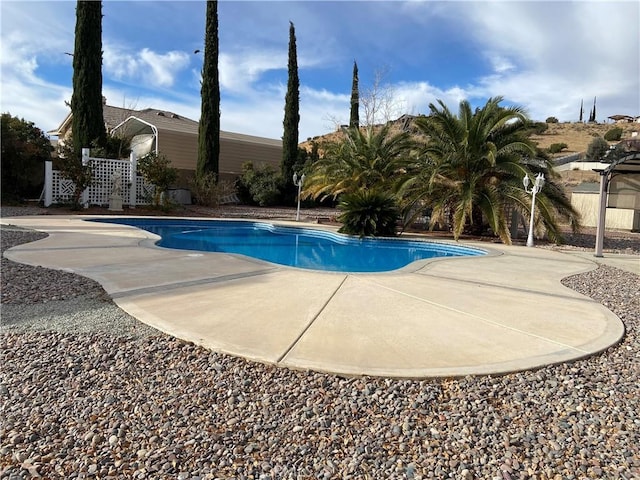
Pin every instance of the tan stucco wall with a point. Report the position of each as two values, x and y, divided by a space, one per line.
182 150
234 153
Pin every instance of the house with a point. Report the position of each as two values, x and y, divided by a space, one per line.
177 137
112 117
621 118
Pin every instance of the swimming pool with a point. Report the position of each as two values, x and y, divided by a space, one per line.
294 246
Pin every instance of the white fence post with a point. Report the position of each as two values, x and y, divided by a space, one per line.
48 183
133 191
85 162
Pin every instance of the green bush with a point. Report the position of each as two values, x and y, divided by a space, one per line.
596 149
538 128
614 134
71 168
557 147
551 120
25 148
156 169
368 213
259 186
114 147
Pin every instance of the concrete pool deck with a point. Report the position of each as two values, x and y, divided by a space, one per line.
494 314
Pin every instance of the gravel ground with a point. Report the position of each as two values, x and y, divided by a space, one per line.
89 392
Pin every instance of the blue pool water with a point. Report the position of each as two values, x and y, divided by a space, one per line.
296 247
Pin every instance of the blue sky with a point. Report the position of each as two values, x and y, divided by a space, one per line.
545 56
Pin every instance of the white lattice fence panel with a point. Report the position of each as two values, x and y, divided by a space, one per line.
144 192
62 188
103 173
102 186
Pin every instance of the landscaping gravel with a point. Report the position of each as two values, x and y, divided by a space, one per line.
89 392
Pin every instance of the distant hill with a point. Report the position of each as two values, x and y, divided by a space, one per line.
576 135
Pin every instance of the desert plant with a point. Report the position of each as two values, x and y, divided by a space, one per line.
368 213
597 149
365 158
613 135
551 120
156 169
475 164
557 147
473 168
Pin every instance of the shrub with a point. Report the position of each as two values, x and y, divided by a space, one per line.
259 186
207 192
551 120
538 128
613 135
25 148
368 213
557 147
156 169
596 149
114 147
71 168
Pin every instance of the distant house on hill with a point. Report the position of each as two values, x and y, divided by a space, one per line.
622 118
177 137
405 122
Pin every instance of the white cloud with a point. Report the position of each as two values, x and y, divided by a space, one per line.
545 56
557 53
16 57
238 72
154 69
24 93
500 63
35 100
321 111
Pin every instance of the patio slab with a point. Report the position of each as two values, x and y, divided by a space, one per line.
448 317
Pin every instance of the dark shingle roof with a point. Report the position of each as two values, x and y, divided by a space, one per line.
162 120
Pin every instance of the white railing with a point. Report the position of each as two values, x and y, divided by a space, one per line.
135 190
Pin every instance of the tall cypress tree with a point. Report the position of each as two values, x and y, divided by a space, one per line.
291 113
354 119
86 101
209 126
581 111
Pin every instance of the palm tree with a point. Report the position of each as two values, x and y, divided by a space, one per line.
368 158
472 170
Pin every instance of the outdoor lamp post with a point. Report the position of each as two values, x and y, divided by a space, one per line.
298 183
535 188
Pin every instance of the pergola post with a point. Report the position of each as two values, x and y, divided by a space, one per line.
133 175
626 163
602 213
48 183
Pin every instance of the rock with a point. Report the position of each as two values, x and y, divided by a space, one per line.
99 401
